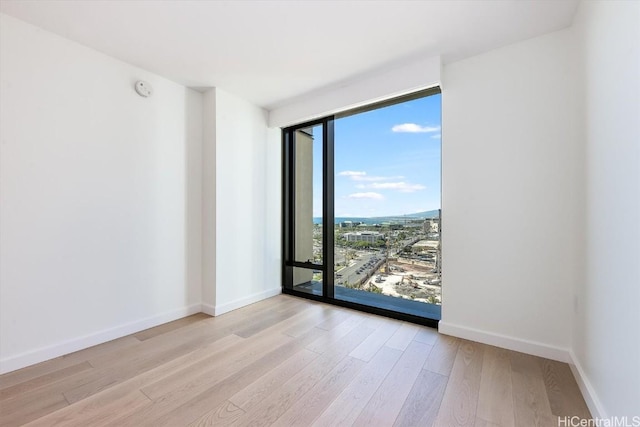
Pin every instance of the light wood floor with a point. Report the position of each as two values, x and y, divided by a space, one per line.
291 362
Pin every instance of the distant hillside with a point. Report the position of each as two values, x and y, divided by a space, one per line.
381 219
425 214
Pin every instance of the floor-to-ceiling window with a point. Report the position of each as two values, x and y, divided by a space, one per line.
362 208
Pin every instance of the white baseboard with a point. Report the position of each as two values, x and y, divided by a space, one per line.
208 309
504 341
241 302
45 353
19 361
589 394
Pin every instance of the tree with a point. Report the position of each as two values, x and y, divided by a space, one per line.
373 288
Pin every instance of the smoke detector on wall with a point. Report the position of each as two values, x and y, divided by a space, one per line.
144 89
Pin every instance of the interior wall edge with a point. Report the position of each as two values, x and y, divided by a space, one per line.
586 388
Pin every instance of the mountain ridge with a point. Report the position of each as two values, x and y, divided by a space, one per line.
390 218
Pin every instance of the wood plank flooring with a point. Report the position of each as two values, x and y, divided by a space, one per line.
287 361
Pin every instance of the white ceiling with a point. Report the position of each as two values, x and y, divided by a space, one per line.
269 52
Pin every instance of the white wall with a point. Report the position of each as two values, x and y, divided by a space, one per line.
244 228
418 74
512 201
100 198
606 335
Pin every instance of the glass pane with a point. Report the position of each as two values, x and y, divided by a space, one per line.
387 207
308 195
308 281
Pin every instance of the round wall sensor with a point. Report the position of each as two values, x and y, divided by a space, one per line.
143 88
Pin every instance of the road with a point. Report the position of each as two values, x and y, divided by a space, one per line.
350 275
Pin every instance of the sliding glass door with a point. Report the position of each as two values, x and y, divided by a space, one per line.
362 208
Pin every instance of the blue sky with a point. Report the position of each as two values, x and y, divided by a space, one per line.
387 161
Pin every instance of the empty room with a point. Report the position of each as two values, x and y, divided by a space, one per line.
320 213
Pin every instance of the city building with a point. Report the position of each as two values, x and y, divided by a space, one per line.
350 224
364 236
431 225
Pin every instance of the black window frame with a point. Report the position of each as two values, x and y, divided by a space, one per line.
328 226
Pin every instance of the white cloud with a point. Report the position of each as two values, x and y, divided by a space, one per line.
436 136
414 128
403 187
352 173
370 195
363 177
375 178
